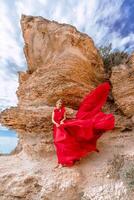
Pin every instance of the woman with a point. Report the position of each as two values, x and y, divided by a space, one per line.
75 138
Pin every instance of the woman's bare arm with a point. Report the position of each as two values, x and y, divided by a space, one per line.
53 119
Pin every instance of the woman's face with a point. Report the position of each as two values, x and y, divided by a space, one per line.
59 104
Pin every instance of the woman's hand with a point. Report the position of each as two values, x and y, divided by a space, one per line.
57 125
61 122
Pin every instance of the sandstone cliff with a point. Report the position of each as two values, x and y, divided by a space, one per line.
122 79
63 62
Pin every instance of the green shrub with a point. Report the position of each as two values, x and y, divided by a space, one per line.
112 58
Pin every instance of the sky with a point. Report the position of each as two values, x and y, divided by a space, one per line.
106 21
8 140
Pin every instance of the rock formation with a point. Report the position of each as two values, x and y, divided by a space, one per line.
64 63
122 80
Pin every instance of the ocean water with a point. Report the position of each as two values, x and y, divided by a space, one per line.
8 140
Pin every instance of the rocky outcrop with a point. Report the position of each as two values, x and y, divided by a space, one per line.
122 79
62 63
131 60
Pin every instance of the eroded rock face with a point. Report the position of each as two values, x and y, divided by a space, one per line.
62 63
131 60
122 79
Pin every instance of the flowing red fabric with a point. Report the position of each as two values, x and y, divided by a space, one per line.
78 136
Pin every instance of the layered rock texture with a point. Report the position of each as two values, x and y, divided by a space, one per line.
64 63
122 79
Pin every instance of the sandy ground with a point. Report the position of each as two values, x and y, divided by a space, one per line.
98 174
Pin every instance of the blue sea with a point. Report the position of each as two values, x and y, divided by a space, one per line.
8 140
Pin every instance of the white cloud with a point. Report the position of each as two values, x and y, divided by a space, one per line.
10 48
120 42
8 86
94 17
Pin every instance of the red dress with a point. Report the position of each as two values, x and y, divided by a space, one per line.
78 136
